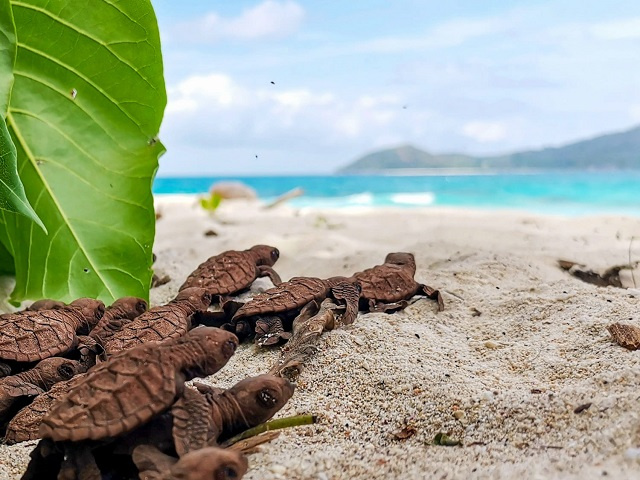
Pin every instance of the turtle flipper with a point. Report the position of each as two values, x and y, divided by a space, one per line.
79 464
432 294
5 370
91 351
267 271
191 422
387 307
347 293
270 330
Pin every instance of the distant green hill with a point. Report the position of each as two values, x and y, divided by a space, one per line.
615 150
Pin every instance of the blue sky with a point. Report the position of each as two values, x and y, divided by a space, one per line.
478 77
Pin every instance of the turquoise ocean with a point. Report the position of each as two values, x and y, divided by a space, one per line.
563 193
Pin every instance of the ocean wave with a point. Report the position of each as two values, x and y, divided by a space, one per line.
365 198
423 198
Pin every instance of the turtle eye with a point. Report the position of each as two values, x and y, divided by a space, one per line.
141 306
225 473
66 371
266 398
275 254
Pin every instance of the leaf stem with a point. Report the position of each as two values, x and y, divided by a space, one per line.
294 421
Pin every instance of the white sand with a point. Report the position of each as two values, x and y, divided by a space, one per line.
471 376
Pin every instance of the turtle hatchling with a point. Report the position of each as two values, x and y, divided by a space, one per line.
160 323
388 287
30 336
234 270
269 314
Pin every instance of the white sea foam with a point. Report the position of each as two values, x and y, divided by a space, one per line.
365 198
424 198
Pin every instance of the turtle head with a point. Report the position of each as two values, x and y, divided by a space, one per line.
215 347
401 258
265 255
259 398
131 307
199 298
211 463
56 369
91 310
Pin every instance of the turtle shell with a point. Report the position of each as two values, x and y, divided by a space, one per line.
160 323
156 325
31 336
116 397
132 386
285 297
227 273
387 283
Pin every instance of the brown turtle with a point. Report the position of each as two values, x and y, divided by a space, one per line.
25 425
46 304
306 330
233 271
160 323
388 287
210 463
17 390
30 336
269 314
132 386
199 418
248 403
116 315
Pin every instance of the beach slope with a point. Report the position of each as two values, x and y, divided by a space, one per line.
519 367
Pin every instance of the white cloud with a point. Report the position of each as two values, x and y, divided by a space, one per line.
624 29
485 132
217 111
447 34
269 19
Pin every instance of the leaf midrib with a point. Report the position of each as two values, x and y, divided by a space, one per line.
31 157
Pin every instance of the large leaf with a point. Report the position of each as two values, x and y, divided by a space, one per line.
12 196
6 263
86 106
7 54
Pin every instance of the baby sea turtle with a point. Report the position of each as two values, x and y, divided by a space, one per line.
250 402
116 315
29 336
132 386
313 320
387 287
233 271
269 314
17 390
160 323
210 463
198 419
25 425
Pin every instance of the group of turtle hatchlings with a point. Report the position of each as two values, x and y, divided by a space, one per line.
104 388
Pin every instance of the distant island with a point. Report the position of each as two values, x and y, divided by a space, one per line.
612 151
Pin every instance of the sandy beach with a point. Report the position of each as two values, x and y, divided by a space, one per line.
520 346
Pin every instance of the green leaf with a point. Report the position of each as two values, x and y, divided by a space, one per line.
6 261
7 54
211 203
12 196
86 105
